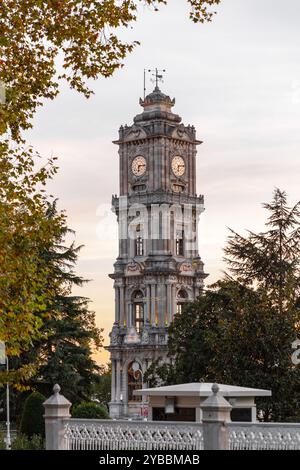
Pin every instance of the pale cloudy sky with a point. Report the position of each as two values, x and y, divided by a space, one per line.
237 80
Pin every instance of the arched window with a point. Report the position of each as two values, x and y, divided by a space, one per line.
138 310
139 242
134 382
182 297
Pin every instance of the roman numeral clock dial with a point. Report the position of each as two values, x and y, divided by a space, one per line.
139 166
178 166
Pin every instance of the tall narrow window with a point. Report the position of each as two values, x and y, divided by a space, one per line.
138 311
139 242
179 243
138 317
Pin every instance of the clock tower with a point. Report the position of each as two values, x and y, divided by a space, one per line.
158 268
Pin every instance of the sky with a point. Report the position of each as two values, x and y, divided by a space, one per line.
237 80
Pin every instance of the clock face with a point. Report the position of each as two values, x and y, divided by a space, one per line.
178 166
139 166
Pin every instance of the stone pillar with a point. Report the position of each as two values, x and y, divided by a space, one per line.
117 304
124 385
122 305
113 380
57 412
174 301
169 303
153 300
118 380
215 415
148 303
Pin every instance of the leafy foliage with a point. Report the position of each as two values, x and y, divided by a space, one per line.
23 442
32 422
24 233
82 34
64 352
101 390
90 410
241 330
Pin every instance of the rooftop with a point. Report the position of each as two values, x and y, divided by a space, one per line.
203 389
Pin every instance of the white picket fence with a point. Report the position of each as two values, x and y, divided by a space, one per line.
264 436
124 435
129 435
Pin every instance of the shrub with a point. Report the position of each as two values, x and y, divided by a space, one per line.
90 410
23 442
32 421
2 442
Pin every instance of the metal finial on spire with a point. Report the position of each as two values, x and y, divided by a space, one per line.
157 75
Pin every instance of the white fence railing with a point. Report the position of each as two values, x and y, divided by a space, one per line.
132 435
264 436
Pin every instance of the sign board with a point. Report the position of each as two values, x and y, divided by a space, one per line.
2 353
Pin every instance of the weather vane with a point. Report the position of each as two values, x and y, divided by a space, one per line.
157 77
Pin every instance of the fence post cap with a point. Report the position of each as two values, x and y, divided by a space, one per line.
57 400
56 389
216 401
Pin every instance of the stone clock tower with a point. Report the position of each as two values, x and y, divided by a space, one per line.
158 268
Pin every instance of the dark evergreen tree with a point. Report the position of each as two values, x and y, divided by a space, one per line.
64 353
32 421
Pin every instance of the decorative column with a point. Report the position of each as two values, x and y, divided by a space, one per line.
118 380
169 303
174 301
148 303
117 304
153 304
113 380
215 415
122 305
57 413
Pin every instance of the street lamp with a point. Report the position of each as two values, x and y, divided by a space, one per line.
137 369
4 362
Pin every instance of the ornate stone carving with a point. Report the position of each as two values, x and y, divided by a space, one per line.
132 269
115 339
186 268
134 133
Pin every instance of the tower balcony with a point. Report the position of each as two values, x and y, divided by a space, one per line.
158 197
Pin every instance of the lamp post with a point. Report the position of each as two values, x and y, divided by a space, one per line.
8 437
4 361
137 369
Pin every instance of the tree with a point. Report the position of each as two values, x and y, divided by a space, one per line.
24 233
83 33
240 331
270 260
101 390
64 353
32 417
